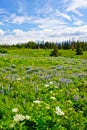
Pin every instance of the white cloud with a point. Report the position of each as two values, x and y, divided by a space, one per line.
2 11
57 34
18 20
66 1
44 7
22 6
1 23
49 22
18 32
21 19
15 19
76 4
1 32
64 15
78 23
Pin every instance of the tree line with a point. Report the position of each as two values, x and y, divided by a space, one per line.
49 45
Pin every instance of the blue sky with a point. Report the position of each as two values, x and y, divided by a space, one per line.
38 20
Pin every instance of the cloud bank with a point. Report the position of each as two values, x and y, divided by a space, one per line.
46 20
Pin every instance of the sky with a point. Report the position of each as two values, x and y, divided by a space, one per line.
42 20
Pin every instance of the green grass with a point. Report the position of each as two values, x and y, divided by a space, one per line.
51 91
45 53
30 52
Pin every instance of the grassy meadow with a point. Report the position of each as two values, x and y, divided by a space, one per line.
39 92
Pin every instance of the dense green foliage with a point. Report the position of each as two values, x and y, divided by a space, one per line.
39 92
3 50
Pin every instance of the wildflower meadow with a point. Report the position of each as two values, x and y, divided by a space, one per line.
42 92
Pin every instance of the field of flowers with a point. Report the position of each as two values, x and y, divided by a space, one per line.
43 93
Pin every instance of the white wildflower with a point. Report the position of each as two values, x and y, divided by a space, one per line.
53 98
19 117
37 101
51 82
12 125
15 110
46 85
59 111
27 117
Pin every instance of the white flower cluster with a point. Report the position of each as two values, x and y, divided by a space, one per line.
12 125
59 111
18 117
50 83
15 110
53 98
37 101
46 85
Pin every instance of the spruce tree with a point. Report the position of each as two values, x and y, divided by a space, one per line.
55 51
79 50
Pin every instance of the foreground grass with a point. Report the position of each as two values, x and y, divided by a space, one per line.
38 92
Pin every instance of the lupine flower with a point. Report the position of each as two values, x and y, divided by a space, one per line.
76 97
64 80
